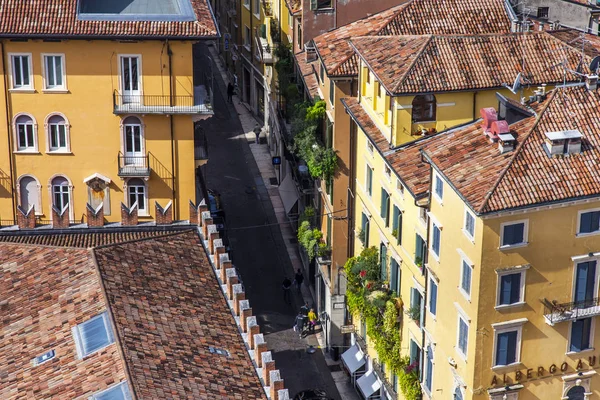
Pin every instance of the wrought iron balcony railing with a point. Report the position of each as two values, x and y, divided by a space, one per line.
198 103
555 312
133 166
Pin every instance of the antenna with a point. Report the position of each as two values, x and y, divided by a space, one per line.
516 85
595 64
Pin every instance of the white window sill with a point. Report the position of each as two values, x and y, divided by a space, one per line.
462 356
247 47
257 16
438 199
247 6
58 90
465 294
584 234
509 366
27 152
468 235
59 152
143 213
508 306
424 122
435 256
573 353
22 90
513 246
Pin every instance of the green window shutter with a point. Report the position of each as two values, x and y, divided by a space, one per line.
399 224
313 4
383 261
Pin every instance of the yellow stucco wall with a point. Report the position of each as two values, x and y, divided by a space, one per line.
92 74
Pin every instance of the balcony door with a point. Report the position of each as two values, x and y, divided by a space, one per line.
134 142
130 79
585 282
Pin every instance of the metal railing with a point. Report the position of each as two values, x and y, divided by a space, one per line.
133 166
163 104
558 312
384 379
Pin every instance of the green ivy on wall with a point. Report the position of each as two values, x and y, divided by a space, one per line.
368 296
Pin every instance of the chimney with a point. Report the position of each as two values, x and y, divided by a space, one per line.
310 53
591 82
488 115
60 219
26 219
164 216
129 217
194 214
498 128
95 216
506 142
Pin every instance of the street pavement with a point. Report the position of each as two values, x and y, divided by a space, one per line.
258 249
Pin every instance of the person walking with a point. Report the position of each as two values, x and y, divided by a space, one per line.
286 285
299 325
230 90
298 279
312 321
257 130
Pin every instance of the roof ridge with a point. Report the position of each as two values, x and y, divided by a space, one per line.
412 64
401 8
515 154
167 233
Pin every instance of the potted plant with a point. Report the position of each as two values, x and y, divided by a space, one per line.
395 233
419 262
361 236
414 313
324 253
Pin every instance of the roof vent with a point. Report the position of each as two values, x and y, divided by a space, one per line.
563 143
591 82
506 142
310 52
44 357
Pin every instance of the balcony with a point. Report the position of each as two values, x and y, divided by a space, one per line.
265 50
560 312
200 103
134 166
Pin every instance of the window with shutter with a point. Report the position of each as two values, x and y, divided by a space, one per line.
465 283
395 276
469 228
385 207
383 261
463 336
513 234
580 334
429 369
369 182
510 289
506 348
433 297
585 280
397 224
435 245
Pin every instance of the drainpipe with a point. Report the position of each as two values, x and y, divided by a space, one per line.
8 130
174 190
474 106
351 184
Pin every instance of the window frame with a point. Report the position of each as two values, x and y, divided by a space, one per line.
15 126
256 8
432 282
522 284
464 261
388 206
578 233
465 320
38 205
123 384
436 254
57 88
141 211
505 327
370 147
469 235
591 337
78 336
331 93
394 264
247 4
24 88
422 103
369 180
525 241
437 179
47 125
247 37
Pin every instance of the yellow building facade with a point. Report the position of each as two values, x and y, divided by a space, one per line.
99 121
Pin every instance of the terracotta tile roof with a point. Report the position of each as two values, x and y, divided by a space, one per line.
58 18
425 64
591 43
167 307
490 181
48 291
309 76
405 160
79 238
416 17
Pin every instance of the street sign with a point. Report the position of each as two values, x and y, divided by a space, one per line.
347 328
226 43
338 306
276 160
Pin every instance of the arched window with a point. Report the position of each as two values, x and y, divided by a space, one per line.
60 193
29 194
136 195
576 393
25 139
133 141
58 134
423 108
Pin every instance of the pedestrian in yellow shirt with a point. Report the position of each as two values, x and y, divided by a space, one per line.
312 320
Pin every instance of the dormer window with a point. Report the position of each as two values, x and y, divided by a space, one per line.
423 108
563 142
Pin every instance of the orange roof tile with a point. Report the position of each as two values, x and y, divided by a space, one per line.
309 75
490 181
425 64
416 17
58 18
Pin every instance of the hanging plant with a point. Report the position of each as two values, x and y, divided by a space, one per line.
309 238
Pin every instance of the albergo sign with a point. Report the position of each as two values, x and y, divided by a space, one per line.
540 372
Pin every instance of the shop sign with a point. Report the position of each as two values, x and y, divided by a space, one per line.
541 372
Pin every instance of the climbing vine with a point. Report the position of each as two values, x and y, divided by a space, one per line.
369 296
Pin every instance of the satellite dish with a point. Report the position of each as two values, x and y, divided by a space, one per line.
516 85
595 64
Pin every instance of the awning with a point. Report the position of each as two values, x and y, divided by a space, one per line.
353 358
288 193
369 383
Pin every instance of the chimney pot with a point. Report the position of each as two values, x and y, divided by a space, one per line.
489 115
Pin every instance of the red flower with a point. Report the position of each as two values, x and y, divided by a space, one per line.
369 285
363 273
